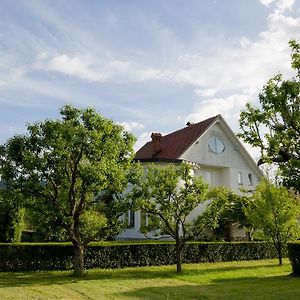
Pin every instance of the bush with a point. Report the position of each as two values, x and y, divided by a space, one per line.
59 256
294 256
36 257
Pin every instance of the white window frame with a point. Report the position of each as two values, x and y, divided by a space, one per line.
208 177
240 178
130 219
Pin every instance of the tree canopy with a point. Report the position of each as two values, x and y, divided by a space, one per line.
274 127
170 194
275 210
66 166
224 206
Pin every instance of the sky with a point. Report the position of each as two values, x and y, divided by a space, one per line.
148 65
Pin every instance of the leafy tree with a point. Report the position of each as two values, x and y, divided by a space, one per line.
210 218
275 126
64 164
169 194
275 210
11 215
224 205
45 225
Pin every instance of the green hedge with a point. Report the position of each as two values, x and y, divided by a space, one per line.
294 256
36 256
59 256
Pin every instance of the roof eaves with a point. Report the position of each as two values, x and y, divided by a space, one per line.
168 160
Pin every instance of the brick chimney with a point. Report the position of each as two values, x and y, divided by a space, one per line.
156 139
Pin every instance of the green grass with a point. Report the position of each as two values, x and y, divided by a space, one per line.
232 280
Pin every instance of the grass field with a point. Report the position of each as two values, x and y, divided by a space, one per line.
232 280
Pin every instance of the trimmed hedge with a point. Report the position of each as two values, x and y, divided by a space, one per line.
36 256
294 256
59 256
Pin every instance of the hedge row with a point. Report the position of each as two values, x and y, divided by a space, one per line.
294 256
59 256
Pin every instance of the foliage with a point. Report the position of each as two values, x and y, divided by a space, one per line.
170 194
91 221
294 256
275 126
11 216
63 164
18 225
211 215
58 256
274 210
224 205
45 226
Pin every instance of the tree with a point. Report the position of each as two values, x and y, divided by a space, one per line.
275 126
224 206
11 215
275 210
210 218
170 194
63 165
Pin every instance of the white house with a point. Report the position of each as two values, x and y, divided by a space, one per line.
214 152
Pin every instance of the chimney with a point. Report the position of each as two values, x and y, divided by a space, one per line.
156 139
188 124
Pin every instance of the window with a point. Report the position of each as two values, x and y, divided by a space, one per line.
250 179
129 219
208 177
240 178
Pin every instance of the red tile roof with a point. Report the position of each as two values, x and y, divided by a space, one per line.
174 144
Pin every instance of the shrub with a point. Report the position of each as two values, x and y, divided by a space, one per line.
59 256
294 256
36 256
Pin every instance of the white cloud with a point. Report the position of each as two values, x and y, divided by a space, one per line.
281 5
234 64
205 92
79 66
142 140
228 107
130 126
267 2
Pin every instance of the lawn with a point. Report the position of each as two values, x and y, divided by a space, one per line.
232 280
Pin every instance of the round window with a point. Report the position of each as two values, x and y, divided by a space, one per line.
216 145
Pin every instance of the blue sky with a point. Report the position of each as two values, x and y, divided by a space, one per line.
149 65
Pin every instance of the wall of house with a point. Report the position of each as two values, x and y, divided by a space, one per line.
133 233
224 168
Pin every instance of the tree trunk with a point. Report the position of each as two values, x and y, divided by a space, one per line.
228 231
279 250
78 260
178 249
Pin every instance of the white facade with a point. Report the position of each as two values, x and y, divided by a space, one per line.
220 159
223 169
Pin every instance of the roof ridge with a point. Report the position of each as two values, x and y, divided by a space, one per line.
194 124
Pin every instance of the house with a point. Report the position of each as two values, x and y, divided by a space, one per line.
215 153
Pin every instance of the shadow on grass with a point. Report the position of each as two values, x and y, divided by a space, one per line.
266 288
16 279
167 292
